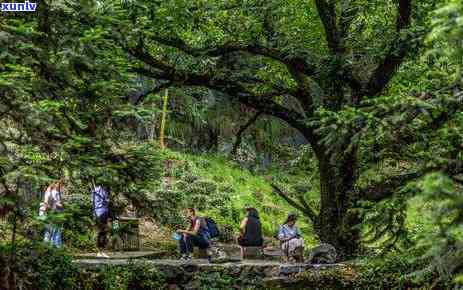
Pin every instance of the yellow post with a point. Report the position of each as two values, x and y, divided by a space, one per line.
163 120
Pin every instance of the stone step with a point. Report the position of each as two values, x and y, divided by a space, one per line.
124 255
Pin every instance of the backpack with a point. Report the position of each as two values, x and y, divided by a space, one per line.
103 195
212 227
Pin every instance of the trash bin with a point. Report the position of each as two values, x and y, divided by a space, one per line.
126 234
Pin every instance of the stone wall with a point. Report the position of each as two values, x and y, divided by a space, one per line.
199 274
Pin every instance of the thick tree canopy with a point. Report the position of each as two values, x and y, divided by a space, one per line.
322 67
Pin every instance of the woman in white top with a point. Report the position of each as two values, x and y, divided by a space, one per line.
290 237
52 203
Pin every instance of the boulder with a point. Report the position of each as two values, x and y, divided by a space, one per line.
323 254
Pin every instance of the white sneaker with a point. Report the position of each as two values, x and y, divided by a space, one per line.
102 255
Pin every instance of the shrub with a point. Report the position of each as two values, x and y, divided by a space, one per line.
222 280
392 271
39 267
136 275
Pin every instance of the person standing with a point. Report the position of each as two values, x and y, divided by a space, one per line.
53 204
251 230
196 236
100 206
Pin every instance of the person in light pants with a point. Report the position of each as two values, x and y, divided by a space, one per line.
290 237
100 205
53 203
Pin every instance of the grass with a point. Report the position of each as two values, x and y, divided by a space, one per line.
253 189
248 189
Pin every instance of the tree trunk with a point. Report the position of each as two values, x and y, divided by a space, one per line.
337 224
163 120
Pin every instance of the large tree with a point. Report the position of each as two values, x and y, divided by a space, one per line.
321 66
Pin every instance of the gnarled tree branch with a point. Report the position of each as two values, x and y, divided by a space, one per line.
241 131
396 54
139 97
387 188
327 12
302 206
234 86
231 47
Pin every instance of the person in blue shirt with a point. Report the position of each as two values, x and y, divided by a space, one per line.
100 206
196 236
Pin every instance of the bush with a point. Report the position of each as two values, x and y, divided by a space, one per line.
78 225
220 280
137 275
392 271
38 267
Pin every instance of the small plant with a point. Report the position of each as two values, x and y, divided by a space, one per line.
215 280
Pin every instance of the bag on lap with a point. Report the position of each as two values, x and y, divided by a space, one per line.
212 227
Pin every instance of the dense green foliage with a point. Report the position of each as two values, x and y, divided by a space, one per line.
36 267
136 275
221 189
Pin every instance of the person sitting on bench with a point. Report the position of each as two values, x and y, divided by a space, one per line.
251 230
196 236
289 235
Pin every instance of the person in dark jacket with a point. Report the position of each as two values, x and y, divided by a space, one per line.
251 230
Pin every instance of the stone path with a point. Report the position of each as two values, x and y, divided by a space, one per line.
123 255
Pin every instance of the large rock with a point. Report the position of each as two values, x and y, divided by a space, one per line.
323 254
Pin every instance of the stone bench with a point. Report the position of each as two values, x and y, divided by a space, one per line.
200 253
252 253
296 256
